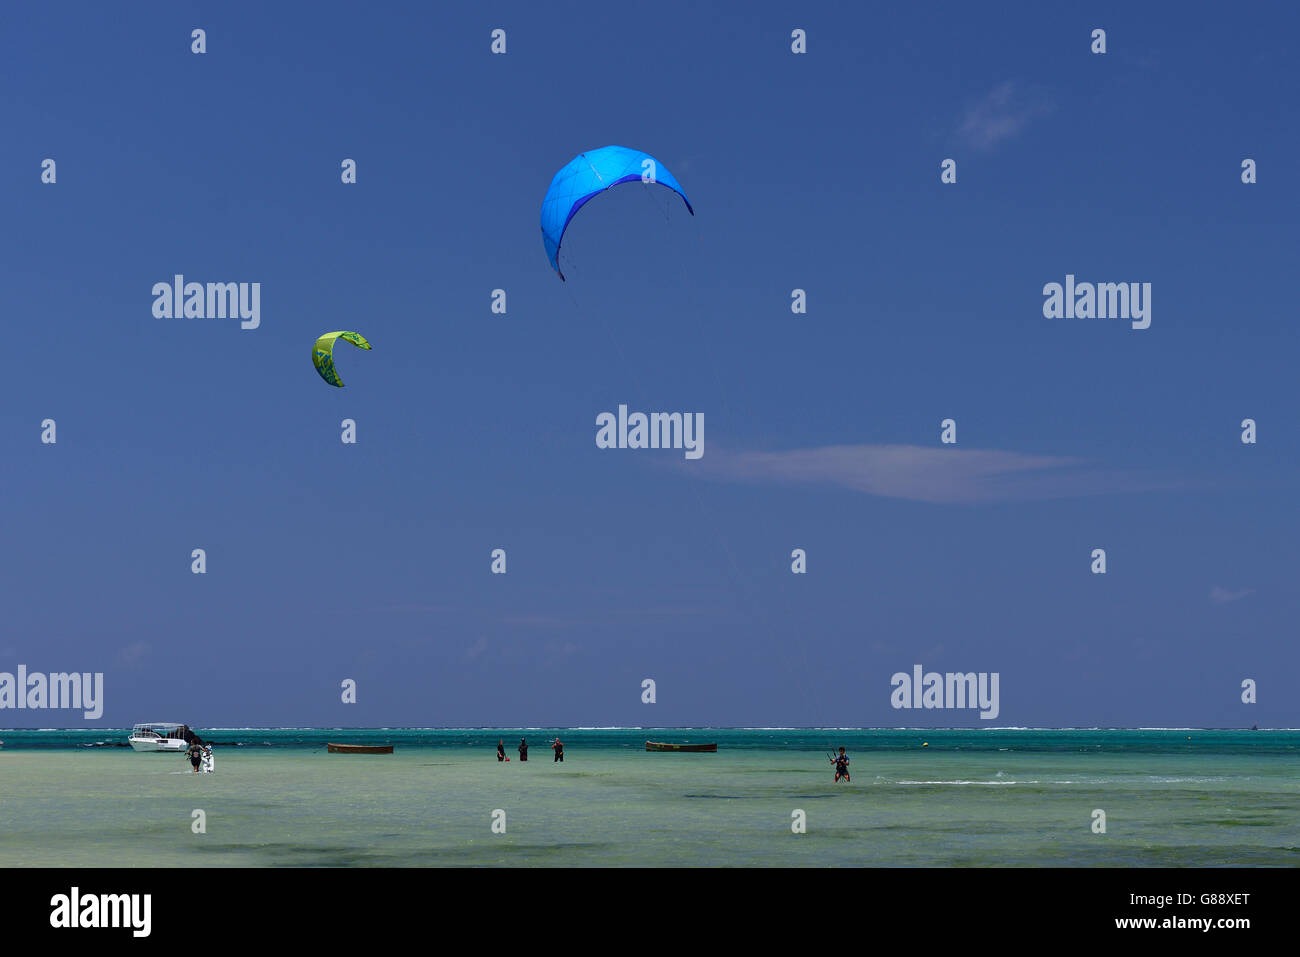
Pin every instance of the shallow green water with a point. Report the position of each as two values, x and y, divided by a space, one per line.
979 798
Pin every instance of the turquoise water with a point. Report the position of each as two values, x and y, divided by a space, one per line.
969 798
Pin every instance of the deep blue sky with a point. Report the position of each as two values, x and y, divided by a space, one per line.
477 431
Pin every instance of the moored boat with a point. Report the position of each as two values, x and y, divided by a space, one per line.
661 746
359 748
160 736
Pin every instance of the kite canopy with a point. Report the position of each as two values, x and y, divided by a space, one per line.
589 174
322 356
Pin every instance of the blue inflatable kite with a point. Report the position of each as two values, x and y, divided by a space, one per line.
589 174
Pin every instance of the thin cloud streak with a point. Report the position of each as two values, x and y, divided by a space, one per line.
925 474
1222 596
1001 114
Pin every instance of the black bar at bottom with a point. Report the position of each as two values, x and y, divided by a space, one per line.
835 906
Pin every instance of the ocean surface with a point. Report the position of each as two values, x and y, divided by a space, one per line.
981 797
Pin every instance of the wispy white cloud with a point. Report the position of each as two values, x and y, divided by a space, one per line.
1002 113
1221 596
597 616
516 651
133 653
926 474
416 606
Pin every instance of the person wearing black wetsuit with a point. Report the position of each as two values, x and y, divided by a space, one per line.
558 748
841 762
523 749
501 749
195 754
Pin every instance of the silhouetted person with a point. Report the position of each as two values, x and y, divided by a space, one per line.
558 748
523 749
501 749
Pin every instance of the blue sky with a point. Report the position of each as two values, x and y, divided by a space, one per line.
476 431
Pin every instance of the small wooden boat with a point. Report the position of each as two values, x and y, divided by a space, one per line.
661 746
360 748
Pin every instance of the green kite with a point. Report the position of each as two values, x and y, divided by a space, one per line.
322 356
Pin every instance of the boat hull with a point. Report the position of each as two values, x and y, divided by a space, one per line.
695 748
169 745
359 748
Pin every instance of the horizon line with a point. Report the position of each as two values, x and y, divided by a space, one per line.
669 728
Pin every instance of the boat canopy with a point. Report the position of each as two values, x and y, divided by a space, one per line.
164 729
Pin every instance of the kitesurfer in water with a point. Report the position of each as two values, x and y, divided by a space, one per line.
841 762
501 749
523 749
558 748
195 754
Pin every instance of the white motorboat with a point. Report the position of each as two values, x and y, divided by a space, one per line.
160 736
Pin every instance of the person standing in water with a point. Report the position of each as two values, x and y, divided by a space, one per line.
523 749
195 754
501 749
558 748
841 762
